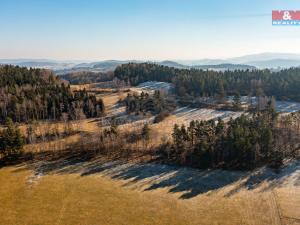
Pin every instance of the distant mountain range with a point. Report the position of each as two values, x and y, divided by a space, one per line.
41 63
260 61
218 67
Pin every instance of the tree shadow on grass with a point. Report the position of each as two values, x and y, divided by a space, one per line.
192 182
149 176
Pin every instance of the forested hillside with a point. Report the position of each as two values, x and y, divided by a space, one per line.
34 94
283 84
86 77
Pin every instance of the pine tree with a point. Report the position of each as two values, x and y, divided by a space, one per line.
11 140
237 101
146 132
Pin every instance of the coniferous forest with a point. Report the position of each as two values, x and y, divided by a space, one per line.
246 142
37 94
86 77
283 85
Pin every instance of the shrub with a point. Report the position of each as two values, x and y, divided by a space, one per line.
161 116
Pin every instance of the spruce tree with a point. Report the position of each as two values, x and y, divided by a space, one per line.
11 140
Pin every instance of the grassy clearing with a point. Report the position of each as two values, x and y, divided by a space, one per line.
123 195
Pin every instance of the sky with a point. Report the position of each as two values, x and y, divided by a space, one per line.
143 29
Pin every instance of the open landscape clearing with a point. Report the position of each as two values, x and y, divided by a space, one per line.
101 192
181 115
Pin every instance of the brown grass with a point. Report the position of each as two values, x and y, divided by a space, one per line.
69 198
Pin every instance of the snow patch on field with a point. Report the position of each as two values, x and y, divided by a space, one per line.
35 177
188 114
286 106
281 106
154 85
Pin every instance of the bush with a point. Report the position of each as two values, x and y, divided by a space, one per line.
161 116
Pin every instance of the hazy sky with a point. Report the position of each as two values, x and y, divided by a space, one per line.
143 29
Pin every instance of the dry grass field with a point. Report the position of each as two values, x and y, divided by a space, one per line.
97 191
101 193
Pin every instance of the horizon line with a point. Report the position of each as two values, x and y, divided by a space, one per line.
137 59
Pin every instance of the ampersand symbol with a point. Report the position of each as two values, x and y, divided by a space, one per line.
286 15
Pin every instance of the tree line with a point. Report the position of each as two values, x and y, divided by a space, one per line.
87 77
37 94
283 84
250 141
262 138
